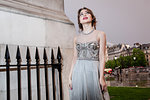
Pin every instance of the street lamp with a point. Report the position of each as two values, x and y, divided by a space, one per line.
117 68
115 60
147 55
134 58
115 57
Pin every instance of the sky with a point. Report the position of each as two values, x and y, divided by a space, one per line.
123 21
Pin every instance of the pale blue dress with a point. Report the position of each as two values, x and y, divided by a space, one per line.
85 75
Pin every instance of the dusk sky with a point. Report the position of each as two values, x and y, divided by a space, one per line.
123 21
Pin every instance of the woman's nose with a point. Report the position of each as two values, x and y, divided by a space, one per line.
84 14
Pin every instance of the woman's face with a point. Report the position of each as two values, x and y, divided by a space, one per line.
85 16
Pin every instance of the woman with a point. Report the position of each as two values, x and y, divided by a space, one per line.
86 79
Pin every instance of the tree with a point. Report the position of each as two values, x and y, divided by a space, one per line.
127 61
110 64
140 57
121 61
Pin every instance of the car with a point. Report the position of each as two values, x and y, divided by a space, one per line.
108 70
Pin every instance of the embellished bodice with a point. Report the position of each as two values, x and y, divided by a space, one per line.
88 50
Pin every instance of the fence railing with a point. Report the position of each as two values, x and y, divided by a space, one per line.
29 66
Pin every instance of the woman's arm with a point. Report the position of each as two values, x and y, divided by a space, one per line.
102 50
74 58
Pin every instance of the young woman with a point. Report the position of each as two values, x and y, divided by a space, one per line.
86 79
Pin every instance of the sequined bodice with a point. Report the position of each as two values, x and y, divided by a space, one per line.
88 50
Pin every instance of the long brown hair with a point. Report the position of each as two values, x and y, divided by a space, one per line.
93 18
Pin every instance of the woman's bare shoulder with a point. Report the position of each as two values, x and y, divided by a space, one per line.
100 33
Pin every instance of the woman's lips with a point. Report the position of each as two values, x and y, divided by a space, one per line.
85 18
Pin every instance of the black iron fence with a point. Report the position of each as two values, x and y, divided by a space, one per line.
29 66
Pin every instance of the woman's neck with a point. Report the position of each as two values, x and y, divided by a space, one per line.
87 27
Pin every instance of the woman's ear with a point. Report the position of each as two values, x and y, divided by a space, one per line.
93 18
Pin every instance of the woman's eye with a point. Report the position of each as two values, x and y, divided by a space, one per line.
81 14
87 12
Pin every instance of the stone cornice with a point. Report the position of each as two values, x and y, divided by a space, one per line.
29 9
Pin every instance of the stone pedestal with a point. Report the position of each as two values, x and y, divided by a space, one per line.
35 23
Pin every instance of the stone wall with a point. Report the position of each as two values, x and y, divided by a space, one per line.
132 77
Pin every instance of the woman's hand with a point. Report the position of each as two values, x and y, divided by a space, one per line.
70 83
103 84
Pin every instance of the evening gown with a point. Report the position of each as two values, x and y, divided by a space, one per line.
85 75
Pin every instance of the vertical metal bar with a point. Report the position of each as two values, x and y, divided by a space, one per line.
53 79
38 82
38 74
8 81
29 74
7 57
53 74
59 57
19 82
60 82
18 57
46 74
46 82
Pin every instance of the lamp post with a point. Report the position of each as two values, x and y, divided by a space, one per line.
115 60
134 58
117 69
146 55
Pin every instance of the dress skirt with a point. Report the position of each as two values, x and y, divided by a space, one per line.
85 81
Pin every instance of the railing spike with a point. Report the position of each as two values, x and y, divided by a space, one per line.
59 54
37 54
18 55
38 73
52 56
28 57
7 55
45 55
